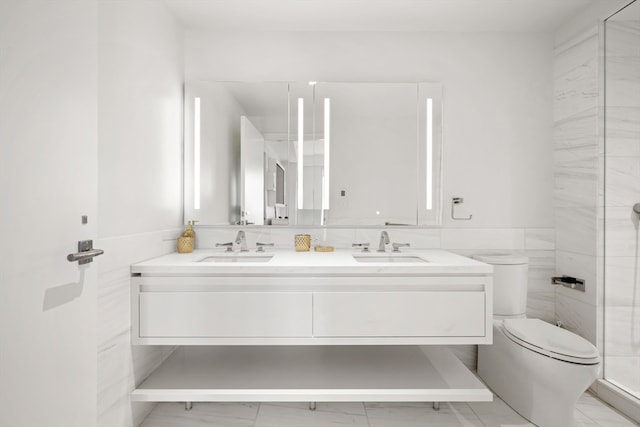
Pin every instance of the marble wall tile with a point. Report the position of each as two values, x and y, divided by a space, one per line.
483 238
467 354
575 177
576 131
121 366
576 230
622 83
539 239
207 237
541 305
423 238
622 279
622 180
624 371
541 269
577 316
580 266
283 237
622 331
575 76
622 232
575 52
623 131
623 38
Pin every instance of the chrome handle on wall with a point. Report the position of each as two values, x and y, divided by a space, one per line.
569 282
458 201
85 253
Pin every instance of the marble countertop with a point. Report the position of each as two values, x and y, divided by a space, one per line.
288 262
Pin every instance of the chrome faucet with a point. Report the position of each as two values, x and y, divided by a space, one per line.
241 239
384 240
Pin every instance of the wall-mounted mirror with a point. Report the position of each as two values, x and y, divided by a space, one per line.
330 154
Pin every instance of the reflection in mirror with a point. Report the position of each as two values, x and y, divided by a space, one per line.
372 173
331 154
235 118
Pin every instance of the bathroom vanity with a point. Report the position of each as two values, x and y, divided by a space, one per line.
305 326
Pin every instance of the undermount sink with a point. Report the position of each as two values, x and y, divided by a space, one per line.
388 258
237 258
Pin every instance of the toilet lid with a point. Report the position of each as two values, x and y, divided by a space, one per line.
551 341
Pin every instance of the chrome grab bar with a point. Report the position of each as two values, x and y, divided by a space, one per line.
85 253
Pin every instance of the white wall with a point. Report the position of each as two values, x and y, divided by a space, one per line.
140 181
497 98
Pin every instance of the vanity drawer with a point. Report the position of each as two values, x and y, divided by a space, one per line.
399 314
225 314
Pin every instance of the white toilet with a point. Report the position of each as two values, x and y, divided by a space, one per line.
538 369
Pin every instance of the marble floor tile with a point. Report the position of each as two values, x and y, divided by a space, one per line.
299 415
601 413
590 412
498 413
203 415
420 415
353 408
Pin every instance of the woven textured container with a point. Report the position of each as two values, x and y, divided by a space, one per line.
185 244
302 242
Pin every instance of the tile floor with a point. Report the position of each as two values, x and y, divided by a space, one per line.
590 412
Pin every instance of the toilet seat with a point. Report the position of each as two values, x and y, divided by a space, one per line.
551 341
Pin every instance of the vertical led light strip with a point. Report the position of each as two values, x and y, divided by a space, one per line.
429 154
327 147
300 152
196 155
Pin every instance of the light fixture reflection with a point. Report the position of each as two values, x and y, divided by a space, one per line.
429 154
327 144
300 152
196 155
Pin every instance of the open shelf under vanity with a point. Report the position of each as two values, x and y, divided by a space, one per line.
312 373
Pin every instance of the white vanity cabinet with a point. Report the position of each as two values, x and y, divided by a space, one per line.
301 310
311 328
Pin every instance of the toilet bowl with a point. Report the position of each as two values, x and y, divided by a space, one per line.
538 369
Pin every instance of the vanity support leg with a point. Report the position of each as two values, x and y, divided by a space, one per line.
312 406
188 406
436 406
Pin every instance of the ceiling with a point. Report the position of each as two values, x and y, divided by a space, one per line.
376 15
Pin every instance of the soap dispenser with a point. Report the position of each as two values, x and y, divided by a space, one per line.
187 242
189 231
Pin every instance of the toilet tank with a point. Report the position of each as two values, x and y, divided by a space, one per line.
510 278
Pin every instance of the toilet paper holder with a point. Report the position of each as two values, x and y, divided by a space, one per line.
569 282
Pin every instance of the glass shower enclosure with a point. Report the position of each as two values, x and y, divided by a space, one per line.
621 199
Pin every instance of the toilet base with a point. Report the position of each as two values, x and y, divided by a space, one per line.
541 389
